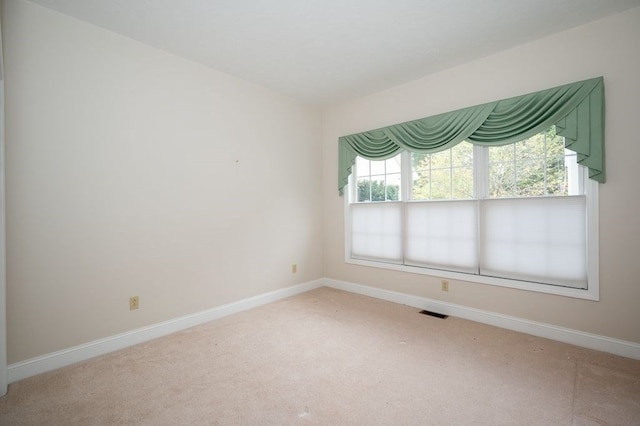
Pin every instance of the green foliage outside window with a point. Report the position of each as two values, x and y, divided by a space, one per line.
533 167
377 191
444 175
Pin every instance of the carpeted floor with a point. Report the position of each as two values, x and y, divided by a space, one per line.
334 358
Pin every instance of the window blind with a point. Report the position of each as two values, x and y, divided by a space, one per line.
535 239
376 231
442 235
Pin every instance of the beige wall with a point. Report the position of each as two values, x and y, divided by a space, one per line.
133 172
3 318
609 48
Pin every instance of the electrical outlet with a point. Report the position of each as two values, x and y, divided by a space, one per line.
445 285
134 303
294 268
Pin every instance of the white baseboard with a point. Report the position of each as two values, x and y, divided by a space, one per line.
54 360
65 357
561 334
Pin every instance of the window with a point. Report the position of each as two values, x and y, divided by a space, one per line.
378 180
538 166
519 215
444 175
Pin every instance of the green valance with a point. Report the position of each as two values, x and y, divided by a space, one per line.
577 110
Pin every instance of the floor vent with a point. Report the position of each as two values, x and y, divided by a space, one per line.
434 314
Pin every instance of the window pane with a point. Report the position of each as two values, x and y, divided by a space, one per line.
462 180
531 149
377 190
441 159
393 187
531 168
420 161
393 165
364 190
462 155
499 154
557 183
378 180
444 175
501 178
530 178
362 167
440 184
421 189
377 167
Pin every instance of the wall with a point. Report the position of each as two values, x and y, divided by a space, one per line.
608 47
134 172
3 318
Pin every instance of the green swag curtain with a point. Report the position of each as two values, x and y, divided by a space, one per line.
577 110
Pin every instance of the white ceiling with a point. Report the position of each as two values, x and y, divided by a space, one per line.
324 51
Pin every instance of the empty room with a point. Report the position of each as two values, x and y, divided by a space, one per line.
319 212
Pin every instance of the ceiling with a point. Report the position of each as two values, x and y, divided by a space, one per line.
325 51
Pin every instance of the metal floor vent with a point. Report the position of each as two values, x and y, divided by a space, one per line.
434 314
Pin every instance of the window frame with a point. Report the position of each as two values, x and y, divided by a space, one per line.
481 160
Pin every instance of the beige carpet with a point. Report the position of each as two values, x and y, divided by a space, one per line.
334 358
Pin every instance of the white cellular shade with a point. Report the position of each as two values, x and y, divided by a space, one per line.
535 239
442 235
376 231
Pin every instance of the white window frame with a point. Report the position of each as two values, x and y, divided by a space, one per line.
592 292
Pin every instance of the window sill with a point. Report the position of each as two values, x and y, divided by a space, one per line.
591 293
